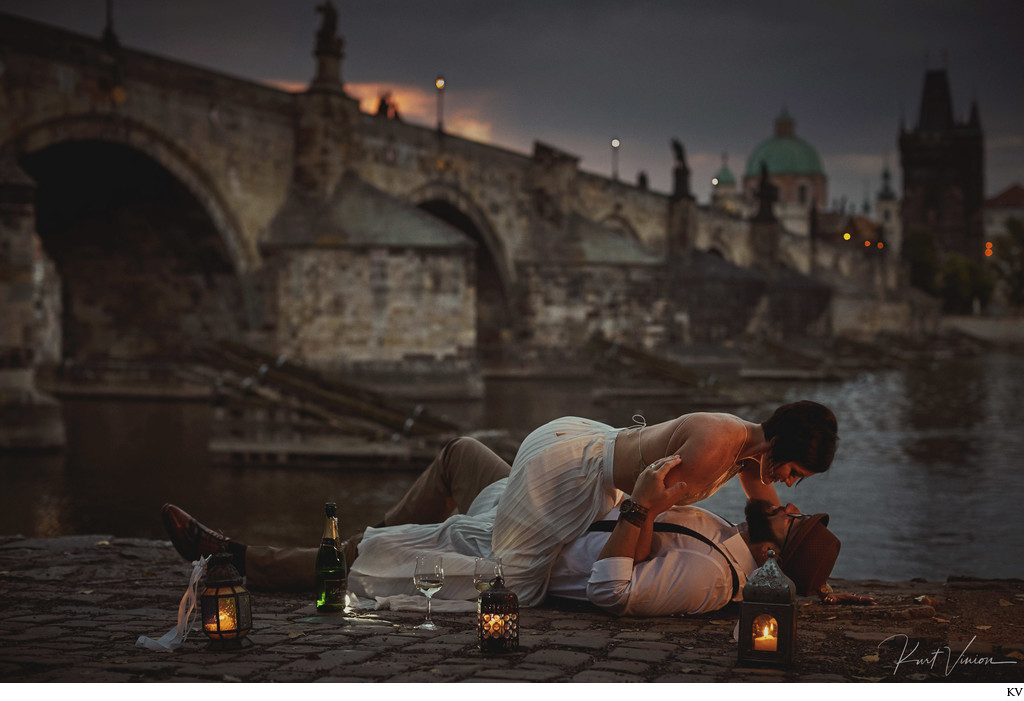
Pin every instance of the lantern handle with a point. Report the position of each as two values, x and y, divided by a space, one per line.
186 613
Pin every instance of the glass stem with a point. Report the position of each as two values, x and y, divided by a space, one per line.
428 608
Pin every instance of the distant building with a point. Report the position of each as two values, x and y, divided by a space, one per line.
725 195
943 164
887 206
794 168
1008 204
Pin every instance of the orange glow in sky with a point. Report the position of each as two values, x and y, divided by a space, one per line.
417 105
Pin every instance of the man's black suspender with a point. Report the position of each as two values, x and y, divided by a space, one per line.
608 526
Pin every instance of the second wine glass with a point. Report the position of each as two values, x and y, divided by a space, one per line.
485 569
428 578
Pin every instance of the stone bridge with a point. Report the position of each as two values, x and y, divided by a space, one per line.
151 205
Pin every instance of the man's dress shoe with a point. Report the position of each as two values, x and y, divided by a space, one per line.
191 539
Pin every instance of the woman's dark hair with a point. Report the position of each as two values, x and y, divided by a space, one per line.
805 433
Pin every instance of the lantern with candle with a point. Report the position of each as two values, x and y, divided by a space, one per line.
226 606
497 618
767 627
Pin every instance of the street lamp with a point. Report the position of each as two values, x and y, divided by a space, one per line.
439 84
615 158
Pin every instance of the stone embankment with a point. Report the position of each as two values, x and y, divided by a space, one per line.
72 608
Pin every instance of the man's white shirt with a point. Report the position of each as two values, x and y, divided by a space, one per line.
683 575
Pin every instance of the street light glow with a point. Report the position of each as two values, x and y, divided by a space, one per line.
616 143
439 83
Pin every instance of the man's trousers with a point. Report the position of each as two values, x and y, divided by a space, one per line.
462 469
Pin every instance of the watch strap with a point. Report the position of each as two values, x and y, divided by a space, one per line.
633 513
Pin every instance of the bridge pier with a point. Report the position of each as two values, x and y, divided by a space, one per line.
29 420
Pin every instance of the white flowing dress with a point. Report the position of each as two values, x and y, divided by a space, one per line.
560 483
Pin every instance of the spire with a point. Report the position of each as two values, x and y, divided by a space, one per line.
784 124
886 193
110 41
975 119
936 103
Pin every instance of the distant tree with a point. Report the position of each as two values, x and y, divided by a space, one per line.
1009 261
956 284
962 282
922 258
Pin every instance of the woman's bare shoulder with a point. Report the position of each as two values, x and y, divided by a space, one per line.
708 420
702 430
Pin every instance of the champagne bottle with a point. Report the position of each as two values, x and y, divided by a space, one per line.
331 572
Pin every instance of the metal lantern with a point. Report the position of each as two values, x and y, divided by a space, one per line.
226 605
767 627
497 618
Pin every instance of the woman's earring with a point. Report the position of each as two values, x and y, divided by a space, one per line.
764 475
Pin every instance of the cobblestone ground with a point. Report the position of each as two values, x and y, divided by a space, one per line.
72 608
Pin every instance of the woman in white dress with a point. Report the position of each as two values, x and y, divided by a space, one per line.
571 471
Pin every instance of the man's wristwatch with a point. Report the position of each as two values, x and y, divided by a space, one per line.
632 512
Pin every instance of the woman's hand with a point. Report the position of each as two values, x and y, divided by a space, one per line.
650 489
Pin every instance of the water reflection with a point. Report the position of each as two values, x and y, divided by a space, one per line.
913 498
925 483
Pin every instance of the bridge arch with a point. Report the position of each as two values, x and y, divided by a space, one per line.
79 210
175 159
619 223
724 247
494 273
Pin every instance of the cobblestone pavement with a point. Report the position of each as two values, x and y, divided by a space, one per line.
72 608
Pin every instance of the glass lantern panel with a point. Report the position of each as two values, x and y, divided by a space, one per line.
209 613
244 612
765 631
227 613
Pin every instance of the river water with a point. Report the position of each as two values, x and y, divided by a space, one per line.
926 483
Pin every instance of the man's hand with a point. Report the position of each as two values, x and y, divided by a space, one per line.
650 489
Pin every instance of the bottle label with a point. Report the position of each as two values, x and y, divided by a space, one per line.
335 590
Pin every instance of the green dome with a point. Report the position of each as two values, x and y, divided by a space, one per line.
724 177
785 153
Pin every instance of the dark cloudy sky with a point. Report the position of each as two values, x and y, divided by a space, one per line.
575 73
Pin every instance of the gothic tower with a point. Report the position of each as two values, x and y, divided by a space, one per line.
943 164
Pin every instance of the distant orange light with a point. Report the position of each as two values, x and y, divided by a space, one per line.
866 244
988 244
439 83
988 252
881 245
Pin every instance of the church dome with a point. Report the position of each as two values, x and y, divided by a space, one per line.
784 153
724 176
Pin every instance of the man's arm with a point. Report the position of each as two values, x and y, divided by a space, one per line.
673 583
650 492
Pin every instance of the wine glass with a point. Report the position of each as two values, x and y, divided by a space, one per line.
428 578
484 570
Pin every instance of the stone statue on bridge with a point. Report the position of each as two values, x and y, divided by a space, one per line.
767 194
680 172
327 39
